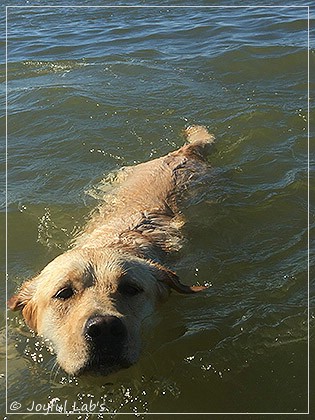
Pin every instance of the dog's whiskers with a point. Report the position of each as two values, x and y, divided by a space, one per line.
54 371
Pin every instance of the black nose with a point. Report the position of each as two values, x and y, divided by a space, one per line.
105 329
106 338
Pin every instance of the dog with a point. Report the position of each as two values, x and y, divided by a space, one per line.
91 301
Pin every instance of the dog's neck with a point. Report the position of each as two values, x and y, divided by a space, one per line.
147 234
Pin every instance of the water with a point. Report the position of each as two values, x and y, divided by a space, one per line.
94 89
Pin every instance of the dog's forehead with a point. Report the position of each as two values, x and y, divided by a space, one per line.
64 265
112 268
96 268
75 265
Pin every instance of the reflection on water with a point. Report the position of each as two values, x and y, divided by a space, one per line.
93 90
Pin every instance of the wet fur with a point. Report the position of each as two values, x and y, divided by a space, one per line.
115 267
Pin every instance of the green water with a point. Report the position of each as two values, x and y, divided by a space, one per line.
93 89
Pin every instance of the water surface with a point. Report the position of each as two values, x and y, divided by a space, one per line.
93 89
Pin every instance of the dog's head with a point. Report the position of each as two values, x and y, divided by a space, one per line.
91 304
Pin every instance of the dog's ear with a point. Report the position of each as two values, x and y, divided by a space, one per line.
23 296
171 279
23 301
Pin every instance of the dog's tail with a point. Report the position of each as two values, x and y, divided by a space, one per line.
199 139
198 134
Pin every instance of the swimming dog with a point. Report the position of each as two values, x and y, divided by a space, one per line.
90 302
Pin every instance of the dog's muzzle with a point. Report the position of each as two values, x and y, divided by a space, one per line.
106 336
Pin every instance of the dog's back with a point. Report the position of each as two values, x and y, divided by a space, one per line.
143 215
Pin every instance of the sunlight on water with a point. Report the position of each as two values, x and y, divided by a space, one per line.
92 91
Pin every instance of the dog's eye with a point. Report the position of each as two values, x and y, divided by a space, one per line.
129 289
64 293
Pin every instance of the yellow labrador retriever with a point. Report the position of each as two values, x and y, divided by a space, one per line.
90 301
